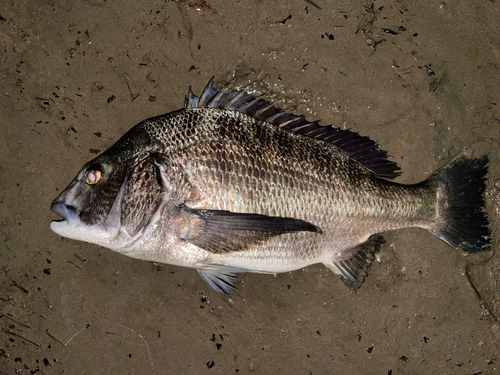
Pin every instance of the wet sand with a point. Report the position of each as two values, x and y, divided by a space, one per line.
422 79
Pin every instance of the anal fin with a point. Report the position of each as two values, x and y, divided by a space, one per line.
353 270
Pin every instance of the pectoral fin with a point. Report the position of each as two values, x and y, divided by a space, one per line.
353 270
224 231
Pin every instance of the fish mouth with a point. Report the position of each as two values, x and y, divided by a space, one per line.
69 214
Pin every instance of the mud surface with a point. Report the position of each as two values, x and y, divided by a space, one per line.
423 78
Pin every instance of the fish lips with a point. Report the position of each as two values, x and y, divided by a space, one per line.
68 213
72 225
69 223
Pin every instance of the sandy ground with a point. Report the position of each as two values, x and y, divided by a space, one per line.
74 76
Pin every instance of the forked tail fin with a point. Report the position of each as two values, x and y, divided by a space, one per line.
466 224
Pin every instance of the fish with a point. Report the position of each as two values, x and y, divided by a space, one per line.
231 184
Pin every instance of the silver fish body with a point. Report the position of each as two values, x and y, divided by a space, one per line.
232 184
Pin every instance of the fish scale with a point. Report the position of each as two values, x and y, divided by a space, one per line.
214 166
232 184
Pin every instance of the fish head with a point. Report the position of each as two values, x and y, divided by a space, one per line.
117 199
90 205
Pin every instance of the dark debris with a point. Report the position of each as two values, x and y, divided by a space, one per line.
389 31
286 19
313 4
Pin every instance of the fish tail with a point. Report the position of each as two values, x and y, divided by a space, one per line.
461 204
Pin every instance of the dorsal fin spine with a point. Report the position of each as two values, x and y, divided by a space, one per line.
234 99
360 148
263 109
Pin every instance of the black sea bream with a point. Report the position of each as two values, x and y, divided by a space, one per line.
232 184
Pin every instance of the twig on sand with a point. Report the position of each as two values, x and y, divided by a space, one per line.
145 342
72 337
2 315
21 337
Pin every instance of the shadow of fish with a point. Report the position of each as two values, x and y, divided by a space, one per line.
232 184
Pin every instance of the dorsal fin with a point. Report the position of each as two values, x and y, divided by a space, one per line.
360 148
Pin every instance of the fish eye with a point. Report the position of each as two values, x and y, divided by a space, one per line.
93 176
